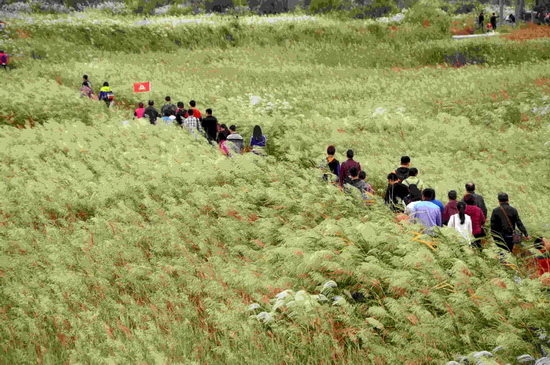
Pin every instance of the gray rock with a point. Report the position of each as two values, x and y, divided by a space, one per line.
543 361
483 354
526 359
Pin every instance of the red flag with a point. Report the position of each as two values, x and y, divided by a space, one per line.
140 87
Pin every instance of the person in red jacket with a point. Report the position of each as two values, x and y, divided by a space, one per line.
346 166
477 216
4 59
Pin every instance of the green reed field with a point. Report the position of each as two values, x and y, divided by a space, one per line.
134 244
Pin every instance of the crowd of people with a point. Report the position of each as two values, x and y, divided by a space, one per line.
406 194
229 141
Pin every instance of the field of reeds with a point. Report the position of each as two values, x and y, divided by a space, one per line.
125 243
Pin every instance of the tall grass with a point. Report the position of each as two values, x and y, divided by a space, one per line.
138 244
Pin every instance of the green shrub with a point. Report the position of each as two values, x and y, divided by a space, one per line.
427 14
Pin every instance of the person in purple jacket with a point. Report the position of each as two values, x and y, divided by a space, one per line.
257 141
427 213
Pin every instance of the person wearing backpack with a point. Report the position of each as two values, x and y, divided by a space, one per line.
333 165
413 179
4 59
168 107
106 94
346 166
415 194
395 193
181 113
504 220
235 142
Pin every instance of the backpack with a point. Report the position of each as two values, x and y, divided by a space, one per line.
4 60
414 194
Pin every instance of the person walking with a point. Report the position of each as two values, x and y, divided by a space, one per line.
151 113
451 207
4 60
461 221
346 166
138 113
481 21
235 142
168 107
504 220
258 141
86 88
223 133
193 124
181 113
333 172
402 171
413 179
367 187
480 203
438 203
210 126
395 193
196 112
478 218
106 94
494 21
425 212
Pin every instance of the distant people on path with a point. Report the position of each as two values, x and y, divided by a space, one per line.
138 113
168 107
210 126
193 124
504 220
511 18
258 141
481 21
346 166
461 221
151 113
451 208
106 94
86 88
395 193
425 212
494 21
333 172
4 60
235 142
478 218
402 171
470 190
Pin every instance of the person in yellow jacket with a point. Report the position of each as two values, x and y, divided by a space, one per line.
106 94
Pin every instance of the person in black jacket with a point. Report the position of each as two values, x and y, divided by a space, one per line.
395 193
402 171
480 202
504 219
481 20
210 125
151 113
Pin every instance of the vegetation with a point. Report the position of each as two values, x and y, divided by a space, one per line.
127 243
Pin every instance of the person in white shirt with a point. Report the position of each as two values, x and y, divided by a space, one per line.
462 222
